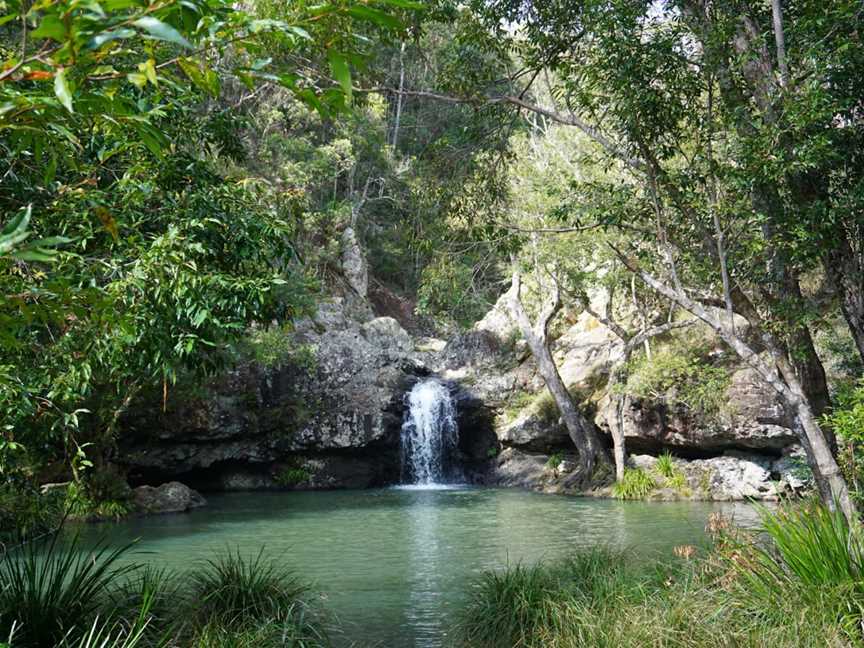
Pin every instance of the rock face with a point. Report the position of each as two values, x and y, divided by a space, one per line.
345 398
172 497
330 417
330 421
731 476
755 420
354 263
744 452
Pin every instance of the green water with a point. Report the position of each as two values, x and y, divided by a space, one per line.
393 563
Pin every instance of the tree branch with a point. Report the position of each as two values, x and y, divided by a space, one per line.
610 147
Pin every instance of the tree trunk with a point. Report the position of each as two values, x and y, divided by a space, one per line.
619 448
845 270
617 377
580 429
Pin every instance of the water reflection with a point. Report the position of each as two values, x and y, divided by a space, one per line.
423 608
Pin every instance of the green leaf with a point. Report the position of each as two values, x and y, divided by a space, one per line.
18 224
51 241
375 16
299 31
50 27
404 4
116 5
15 232
161 31
115 34
341 72
61 89
153 139
35 254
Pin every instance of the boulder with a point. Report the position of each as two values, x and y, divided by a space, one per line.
734 476
755 420
172 497
517 468
533 431
498 321
385 332
731 476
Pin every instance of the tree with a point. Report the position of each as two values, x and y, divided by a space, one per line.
727 140
119 144
581 431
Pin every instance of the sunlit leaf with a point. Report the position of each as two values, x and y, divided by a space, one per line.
61 89
115 34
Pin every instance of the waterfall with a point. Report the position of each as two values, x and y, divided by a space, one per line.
429 434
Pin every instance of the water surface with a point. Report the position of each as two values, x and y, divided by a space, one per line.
393 563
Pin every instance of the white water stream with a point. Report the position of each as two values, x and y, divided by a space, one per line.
429 435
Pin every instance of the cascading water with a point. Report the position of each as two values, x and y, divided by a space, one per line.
429 435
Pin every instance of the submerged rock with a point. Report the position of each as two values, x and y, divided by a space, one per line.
172 497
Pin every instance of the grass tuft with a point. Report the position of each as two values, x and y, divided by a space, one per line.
52 587
798 585
812 556
233 588
636 484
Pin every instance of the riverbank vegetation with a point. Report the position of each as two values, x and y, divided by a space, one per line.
798 586
60 594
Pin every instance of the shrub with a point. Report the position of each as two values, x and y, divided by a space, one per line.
26 513
80 505
813 554
50 588
274 346
555 460
637 484
233 588
846 419
292 475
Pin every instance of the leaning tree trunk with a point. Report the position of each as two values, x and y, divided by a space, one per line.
783 378
618 373
580 429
